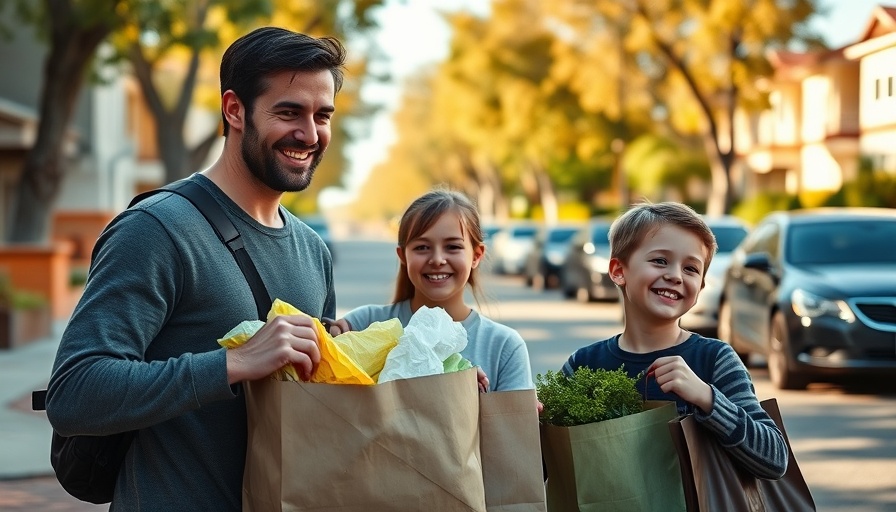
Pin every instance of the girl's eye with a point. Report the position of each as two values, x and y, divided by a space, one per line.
659 261
695 270
455 247
419 248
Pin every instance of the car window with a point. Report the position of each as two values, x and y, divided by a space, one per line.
763 239
866 241
523 232
561 235
600 235
727 237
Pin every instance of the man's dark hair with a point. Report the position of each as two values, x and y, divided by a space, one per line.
253 57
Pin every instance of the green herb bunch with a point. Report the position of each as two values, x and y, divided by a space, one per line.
587 396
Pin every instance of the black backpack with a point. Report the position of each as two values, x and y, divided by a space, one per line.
88 466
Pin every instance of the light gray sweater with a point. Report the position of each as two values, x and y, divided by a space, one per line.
496 348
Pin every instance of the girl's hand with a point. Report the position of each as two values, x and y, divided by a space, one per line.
673 375
482 380
336 327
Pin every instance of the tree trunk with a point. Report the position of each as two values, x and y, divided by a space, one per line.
71 50
546 195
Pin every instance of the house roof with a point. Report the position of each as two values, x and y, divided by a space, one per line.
879 33
883 21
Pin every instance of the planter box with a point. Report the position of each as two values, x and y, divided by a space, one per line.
22 326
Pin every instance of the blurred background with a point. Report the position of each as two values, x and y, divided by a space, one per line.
549 113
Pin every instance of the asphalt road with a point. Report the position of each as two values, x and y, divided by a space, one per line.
843 434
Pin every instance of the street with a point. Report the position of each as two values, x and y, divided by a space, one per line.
842 435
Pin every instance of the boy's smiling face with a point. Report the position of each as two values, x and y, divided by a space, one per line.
664 274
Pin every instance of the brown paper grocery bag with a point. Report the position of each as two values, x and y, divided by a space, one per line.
408 444
624 464
511 451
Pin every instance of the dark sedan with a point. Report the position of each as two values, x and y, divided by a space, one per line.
814 291
548 255
585 273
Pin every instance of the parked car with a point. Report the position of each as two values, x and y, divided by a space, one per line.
511 246
322 228
585 274
814 291
703 318
548 255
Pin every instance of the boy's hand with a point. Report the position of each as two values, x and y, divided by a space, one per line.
673 375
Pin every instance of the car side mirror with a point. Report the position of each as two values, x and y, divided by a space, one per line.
758 261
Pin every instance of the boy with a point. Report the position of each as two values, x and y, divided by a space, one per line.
659 254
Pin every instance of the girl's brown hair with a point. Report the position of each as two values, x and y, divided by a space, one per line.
420 216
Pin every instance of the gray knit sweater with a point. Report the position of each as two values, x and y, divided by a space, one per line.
140 351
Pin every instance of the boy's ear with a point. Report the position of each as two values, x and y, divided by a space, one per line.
617 271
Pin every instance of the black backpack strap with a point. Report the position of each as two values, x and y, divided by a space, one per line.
226 231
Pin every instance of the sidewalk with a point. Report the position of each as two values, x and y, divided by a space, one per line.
25 434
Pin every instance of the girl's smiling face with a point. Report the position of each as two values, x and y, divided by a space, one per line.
664 274
439 263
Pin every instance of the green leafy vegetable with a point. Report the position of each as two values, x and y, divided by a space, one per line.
587 396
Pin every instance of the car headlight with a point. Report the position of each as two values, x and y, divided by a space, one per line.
600 264
554 257
806 304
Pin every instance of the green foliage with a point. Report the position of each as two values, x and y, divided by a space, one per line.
11 298
870 188
753 209
588 396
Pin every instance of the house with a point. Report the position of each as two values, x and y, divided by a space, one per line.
828 108
875 53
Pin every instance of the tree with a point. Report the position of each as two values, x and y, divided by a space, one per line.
74 30
187 30
715 50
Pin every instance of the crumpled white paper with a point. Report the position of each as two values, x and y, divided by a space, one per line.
429 338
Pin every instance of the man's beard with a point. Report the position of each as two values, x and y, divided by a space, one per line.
263 165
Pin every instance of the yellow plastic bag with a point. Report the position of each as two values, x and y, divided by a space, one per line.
355 357
335 367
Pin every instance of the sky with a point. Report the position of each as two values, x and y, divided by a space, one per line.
413 35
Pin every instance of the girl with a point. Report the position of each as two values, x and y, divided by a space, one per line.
440 248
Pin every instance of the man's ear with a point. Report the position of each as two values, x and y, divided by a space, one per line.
233 110
617 271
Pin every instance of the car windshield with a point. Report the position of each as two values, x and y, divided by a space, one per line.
561 235
523 232
728 237
855 241
600 235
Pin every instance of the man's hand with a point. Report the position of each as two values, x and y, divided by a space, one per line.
283 340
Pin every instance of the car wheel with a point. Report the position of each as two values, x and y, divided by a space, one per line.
583 295
723 331
779 370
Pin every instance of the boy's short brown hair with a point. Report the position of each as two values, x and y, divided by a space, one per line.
643 219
